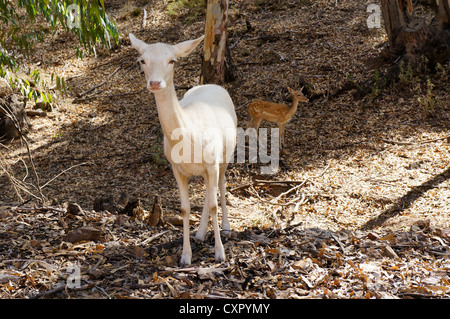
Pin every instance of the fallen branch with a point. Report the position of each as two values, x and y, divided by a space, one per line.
260 182
64 171
60 287
36 113
124 94
100 84
79 98
447 137
41 195
292 201
152 238
397 142
32 209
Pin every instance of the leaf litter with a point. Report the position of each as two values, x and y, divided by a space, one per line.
358 209
262 263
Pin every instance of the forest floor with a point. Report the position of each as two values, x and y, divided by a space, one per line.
359 208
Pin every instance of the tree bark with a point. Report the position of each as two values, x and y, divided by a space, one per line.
394 21
443 12
215 46
411 37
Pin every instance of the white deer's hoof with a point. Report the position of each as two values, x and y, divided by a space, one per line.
226 226
220 255
185 260
201 234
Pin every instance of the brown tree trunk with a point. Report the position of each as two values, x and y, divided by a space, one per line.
412 37
394 21
214 55
443 12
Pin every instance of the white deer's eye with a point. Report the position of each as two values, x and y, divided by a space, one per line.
172 61
141 62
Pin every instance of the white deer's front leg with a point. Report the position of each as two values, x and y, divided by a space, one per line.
186 255
182 181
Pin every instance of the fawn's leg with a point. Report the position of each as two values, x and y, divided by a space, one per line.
281 127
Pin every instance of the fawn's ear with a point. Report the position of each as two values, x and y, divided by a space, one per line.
183 49
137 44
290 90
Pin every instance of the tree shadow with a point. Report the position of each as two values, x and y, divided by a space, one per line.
407 200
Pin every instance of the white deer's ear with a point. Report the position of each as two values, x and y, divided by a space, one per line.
183 49
137 44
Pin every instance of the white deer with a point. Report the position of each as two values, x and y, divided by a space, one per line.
204 108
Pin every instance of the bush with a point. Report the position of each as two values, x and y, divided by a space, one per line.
21 25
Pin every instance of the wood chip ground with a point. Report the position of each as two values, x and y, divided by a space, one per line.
360 207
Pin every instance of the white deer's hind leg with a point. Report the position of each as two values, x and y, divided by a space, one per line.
182 181
212 181
203 227
223 200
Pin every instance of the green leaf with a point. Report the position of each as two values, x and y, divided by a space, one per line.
58 83
44 98
63 82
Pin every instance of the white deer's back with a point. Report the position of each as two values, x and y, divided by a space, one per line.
208 97
212 124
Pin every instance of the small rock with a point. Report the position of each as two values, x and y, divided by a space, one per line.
175 220
171 261
139 252
389 252
87 233
121 220
74 209
105 203
373 236
123 199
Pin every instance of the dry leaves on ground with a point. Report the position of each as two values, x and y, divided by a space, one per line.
342 218
128 259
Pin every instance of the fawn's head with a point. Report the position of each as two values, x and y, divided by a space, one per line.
157 60
298 95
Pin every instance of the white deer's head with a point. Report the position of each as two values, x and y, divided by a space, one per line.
157 60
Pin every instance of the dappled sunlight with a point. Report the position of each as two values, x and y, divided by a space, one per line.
358 206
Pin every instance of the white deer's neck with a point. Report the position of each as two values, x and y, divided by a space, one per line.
171 115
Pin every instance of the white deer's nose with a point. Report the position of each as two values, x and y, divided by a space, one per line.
156 85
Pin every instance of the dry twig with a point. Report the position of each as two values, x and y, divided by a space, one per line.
276 200
100 84
17 126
